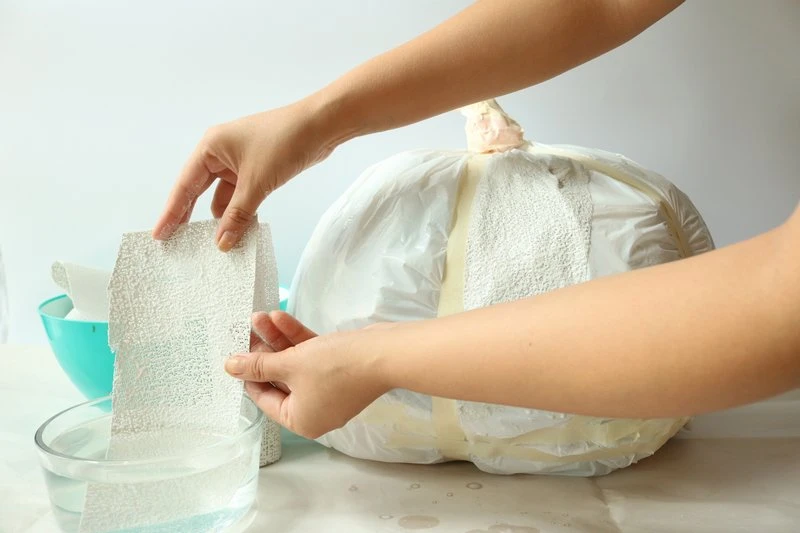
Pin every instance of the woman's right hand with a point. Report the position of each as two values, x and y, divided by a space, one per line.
251 157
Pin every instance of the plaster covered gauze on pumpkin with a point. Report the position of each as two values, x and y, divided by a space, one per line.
177 310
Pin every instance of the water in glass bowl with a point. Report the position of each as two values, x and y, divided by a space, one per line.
89 440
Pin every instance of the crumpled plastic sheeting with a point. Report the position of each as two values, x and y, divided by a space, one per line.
379 242
377 254
177 310
628 207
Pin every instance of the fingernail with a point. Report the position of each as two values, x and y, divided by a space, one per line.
235 365
227 241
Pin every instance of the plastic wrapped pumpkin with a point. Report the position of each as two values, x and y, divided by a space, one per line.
431 233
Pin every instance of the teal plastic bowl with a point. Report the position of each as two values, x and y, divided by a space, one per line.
80 347
284 298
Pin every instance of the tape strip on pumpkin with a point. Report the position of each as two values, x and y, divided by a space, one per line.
414 433
450 438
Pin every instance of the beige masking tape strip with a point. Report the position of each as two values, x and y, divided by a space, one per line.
450 438
413 433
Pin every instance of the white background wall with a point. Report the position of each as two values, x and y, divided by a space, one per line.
100 102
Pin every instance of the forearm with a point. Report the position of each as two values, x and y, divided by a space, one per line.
697 335
491 48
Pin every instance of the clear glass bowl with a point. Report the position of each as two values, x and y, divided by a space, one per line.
72 448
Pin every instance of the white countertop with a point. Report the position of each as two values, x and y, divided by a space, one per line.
697 484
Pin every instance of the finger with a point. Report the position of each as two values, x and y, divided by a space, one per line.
192 182
222 197
292 329
257 366
188 214
281 386
238 215
257 344
257 341
267 398
267 330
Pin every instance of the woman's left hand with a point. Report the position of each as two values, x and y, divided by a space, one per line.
307 383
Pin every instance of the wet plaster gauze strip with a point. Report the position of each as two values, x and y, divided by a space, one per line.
178 309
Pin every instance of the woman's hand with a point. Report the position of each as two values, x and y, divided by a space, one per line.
251 157
307 383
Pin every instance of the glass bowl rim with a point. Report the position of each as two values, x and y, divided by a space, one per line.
167 459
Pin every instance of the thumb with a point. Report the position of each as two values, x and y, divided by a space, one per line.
238 216
260 367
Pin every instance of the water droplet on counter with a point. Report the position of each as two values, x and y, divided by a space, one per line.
418 522
474 486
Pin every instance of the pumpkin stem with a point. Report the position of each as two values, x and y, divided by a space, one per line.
489 129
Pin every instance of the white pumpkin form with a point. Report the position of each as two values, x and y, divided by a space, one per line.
431 233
